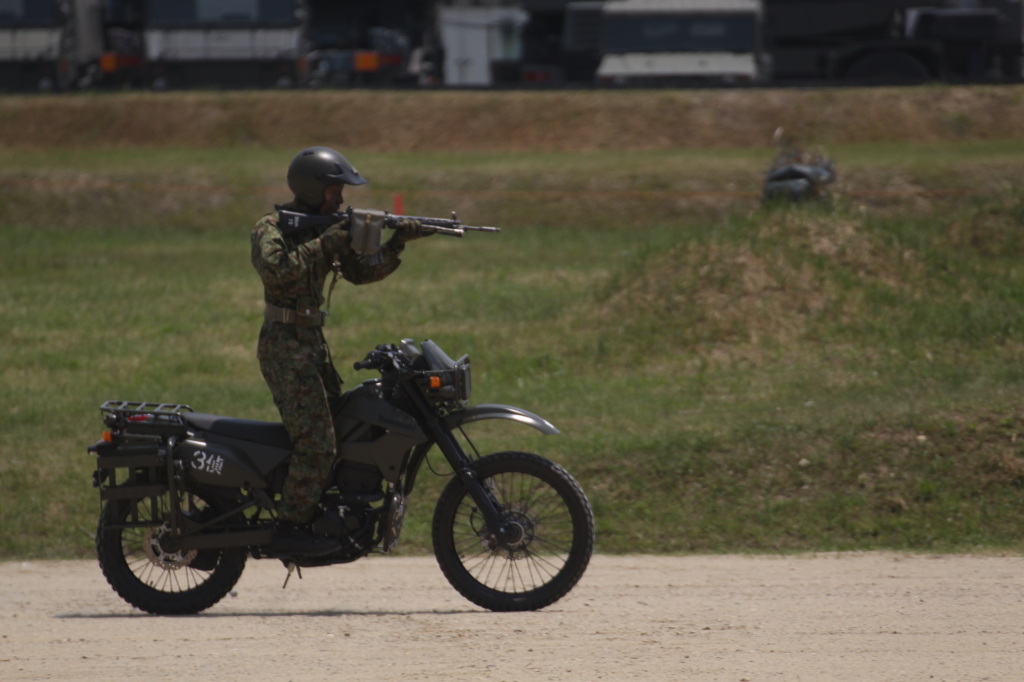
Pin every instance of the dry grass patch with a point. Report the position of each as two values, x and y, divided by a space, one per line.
458 121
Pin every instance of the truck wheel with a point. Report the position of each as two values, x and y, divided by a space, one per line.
888 67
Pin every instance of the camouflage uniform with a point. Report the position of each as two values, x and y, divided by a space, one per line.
294 359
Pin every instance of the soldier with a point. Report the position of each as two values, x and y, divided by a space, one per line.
293 355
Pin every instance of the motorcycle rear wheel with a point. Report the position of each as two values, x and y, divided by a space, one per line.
550 514
154 579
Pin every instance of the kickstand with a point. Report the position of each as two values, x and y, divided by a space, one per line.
292 567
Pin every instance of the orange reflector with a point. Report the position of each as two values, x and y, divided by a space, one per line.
108 437
108 62
366 61
435 382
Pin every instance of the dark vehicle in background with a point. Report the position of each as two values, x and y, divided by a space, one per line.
123 61
353 42
71 44
795 41
561 41
48 45
893 41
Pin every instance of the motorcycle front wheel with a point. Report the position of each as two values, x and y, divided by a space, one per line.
147 571
553 534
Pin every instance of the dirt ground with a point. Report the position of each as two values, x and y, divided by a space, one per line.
877 617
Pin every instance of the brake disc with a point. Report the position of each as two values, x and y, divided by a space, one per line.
158 555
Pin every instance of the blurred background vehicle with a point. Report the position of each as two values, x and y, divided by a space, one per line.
48 45
66 44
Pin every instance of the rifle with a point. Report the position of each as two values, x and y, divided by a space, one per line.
293 221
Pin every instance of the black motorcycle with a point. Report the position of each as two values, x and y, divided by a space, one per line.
187 497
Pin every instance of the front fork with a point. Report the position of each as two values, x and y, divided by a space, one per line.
461 465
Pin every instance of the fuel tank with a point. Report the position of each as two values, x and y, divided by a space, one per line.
372 431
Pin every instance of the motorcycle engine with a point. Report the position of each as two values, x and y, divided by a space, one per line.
339 522
352 524
346 514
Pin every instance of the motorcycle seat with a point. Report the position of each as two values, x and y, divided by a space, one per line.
267 433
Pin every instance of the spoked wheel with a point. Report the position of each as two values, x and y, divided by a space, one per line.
144 566
552 534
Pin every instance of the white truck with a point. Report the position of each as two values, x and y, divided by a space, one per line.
478 39
48 45
228 43
680 41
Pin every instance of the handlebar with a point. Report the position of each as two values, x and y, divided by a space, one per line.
364 364
379 358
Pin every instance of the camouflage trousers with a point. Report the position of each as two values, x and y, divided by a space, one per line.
297 367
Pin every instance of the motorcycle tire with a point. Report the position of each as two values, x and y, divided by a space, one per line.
152 579
552 515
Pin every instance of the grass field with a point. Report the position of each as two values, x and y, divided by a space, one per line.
726 377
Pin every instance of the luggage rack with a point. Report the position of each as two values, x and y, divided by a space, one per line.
149 419
127 407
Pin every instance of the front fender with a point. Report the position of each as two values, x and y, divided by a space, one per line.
480 412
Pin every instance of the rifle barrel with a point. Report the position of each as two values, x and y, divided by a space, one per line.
441 225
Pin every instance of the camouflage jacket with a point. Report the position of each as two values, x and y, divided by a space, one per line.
294 267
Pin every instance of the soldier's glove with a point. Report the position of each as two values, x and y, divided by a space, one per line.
409 230
336 239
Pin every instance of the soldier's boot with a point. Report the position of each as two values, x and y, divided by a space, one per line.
293 539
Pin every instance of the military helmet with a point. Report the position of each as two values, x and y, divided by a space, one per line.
315 168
